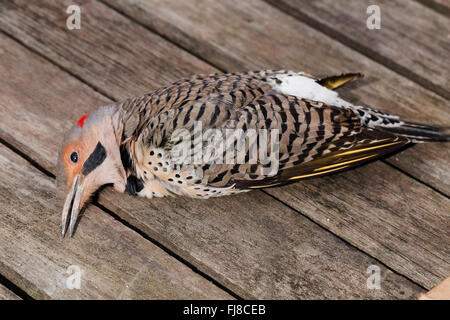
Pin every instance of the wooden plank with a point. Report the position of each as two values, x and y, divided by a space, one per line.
444 3
241 35
6 294
283 254
158 62
440 6
412 38
404 228
115 262
251 243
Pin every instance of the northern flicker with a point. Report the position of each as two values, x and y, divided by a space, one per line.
210 135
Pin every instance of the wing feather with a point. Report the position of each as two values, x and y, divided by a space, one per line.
315 138
336 161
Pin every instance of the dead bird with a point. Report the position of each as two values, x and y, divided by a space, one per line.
210 135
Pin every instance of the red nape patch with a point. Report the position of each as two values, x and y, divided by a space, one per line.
81 120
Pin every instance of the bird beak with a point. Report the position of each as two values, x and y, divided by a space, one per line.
74 199
72 204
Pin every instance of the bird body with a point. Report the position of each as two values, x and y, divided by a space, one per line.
215 135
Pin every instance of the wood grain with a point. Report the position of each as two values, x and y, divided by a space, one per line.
258 248
362 213
411 36
116 263
42 26
252 244
444 3
440 6
242 35
6 294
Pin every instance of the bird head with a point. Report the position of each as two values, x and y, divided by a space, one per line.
89 158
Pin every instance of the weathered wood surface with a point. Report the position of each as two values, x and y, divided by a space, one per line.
41 25
389 239
444 3
362 213
413 38
251 243
440 6
6 294
116 262
242 35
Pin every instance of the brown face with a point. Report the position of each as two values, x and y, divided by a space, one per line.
89 158
81 154
73 157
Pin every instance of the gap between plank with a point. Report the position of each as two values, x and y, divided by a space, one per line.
439 8
415 179
354 45
114 215
14 288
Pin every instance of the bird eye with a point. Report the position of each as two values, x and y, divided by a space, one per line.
74 157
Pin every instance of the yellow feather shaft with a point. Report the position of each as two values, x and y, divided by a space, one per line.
366 149
315 174
269 185
343 163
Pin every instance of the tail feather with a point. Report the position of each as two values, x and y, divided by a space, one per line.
418 132
334 82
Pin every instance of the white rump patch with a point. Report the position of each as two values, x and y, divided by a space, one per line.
306 88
